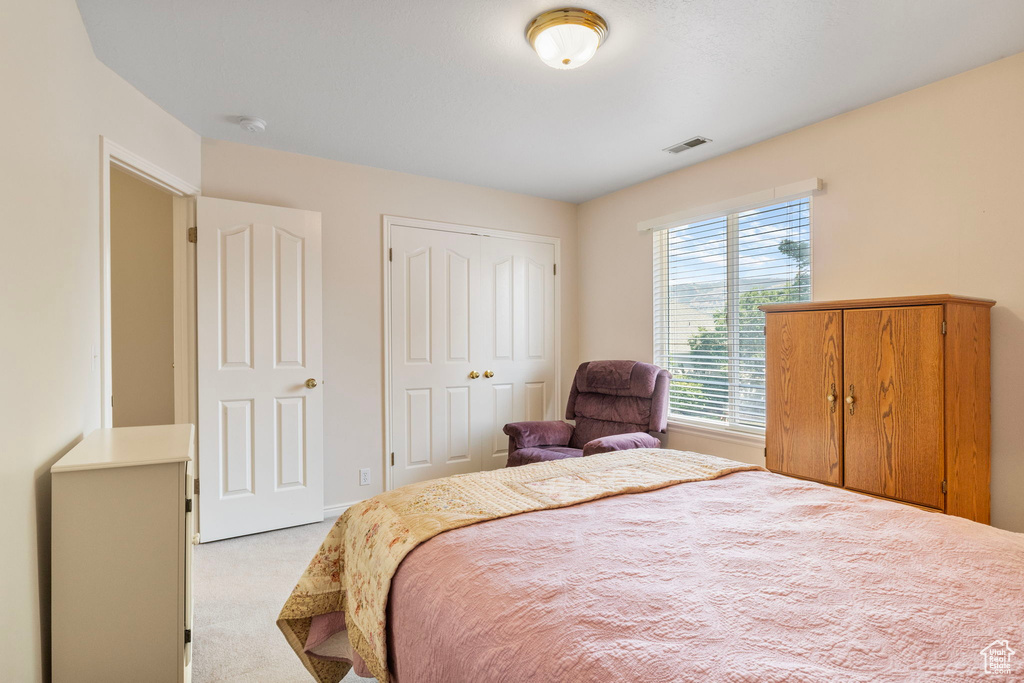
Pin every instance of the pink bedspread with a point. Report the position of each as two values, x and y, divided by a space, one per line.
750 577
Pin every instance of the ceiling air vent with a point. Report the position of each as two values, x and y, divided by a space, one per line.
687 144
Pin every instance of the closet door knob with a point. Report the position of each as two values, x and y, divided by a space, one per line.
488 374
474 374
311 383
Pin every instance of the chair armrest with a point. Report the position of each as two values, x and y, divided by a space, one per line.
620 442
531 434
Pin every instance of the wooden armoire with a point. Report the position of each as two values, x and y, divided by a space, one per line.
887 397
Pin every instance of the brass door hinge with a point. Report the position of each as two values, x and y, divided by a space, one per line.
188 505
943 327
193 235
390 253
944 487
195 486
188 636
554 269
392 459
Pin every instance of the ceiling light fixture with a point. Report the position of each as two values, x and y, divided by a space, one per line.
567 38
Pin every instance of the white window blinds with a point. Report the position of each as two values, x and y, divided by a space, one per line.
709 279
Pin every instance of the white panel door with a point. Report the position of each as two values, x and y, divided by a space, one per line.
519 340
465 305
435 306
258 313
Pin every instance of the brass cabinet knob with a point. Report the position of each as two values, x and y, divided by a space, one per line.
474 374
831 398
488 374
311 383
850 399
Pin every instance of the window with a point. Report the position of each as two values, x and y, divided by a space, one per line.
709 279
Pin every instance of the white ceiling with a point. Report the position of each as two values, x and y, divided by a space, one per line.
451 88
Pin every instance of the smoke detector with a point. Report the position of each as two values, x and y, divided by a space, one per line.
686 144
252 124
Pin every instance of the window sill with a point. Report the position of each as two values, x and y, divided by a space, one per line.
736 436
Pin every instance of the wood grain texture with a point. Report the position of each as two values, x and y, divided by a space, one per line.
803 436
921 300
922 409
894 438
968 420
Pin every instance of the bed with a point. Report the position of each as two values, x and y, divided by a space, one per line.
628 569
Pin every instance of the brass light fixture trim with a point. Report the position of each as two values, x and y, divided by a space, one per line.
567 15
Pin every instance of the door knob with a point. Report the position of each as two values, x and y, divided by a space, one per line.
311 383
488 374
474 374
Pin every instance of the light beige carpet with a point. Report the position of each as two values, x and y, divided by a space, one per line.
240 585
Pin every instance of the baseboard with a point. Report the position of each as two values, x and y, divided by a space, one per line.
337 510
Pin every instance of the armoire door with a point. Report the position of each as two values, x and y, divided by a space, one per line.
804 435
472 348
894 403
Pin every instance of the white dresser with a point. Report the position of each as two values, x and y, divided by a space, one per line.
122 557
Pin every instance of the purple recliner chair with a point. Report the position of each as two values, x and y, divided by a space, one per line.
615 404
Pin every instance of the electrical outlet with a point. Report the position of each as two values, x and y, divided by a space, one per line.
364 476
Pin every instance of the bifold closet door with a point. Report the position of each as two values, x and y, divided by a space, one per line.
804 435
472 348
894 403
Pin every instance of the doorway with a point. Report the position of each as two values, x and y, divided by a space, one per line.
141 302
259 443
122 166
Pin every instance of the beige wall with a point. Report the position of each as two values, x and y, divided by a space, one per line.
923 196
141 302
352 200
57 102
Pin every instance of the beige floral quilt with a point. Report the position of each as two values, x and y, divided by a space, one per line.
352 571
